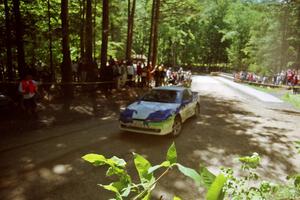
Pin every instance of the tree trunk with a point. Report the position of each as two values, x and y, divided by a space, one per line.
50 43
66 70
8 43
19 38
150 50
155 33
94 30
82 29
89 34
284 43
131 12
105 32
298 26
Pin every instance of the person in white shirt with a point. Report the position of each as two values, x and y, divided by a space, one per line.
130 73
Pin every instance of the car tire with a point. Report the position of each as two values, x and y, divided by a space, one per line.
197 111
177 126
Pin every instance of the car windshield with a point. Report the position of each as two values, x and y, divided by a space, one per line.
164 96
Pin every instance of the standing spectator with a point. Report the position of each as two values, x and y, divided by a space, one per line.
289 75
139 73
28 89
162 75
295 80
144 76
117 74
123 77
75 67
130 73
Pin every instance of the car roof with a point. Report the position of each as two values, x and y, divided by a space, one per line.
174 88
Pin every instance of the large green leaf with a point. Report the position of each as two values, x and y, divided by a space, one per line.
118 161
215 191
163 164
112 188
113 170
176 198
190 173
147 196
142 165
207 177
95 159
172 154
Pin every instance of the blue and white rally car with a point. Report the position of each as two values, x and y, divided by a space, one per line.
161 111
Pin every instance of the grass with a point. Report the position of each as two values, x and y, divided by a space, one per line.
294 99
285 95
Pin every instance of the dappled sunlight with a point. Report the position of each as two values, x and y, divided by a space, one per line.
61 169
83 109
61 145
218 139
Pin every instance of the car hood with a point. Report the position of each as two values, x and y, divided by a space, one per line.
148 110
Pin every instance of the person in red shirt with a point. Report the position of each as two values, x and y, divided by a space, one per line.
28 89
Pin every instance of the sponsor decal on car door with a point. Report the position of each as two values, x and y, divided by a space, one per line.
187 104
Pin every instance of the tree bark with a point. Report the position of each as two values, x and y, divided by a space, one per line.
284 44
298 26
105 32
66 70
89 34
94 30
82 29
19 38
150 50
131 12
50 43
155 33
8 43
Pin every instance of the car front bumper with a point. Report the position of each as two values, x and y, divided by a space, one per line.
153 128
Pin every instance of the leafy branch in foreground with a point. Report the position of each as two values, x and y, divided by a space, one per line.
222 186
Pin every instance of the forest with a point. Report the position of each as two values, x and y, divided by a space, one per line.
48 35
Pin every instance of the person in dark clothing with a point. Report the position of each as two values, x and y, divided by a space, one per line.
107 76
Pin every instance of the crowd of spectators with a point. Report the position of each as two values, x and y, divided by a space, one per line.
288 77
126 73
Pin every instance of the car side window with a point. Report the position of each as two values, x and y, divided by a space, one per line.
187 95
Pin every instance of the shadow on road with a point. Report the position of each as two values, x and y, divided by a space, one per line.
223 131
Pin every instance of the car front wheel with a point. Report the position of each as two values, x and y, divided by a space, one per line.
177 126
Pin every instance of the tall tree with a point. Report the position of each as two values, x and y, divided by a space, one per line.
155 32
50 42
150 49
94 29
297 3
66 69
8 42
131 11
82 7
19 37
105 32
89 34
284 34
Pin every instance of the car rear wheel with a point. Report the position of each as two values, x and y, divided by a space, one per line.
177 126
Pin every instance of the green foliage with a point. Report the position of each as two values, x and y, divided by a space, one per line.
260 36
215 191
294 99
223 186
250 161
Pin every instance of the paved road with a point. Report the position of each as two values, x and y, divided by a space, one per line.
46 164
